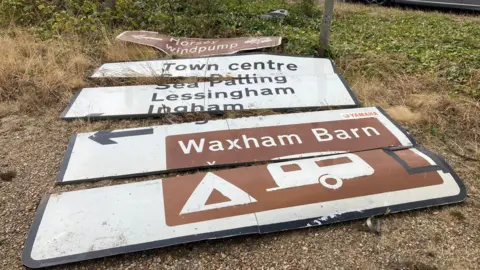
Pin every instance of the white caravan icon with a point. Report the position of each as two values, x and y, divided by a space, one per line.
304 172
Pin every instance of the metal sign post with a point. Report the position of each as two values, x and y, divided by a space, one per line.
325 27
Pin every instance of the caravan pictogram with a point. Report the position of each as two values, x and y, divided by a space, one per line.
319 170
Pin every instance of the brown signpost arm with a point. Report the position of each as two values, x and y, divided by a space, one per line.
325 27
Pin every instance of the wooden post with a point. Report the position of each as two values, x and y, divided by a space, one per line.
110 4
325 27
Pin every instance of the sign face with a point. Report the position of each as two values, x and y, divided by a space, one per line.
259 199
254 65
198 46
150 150
247 93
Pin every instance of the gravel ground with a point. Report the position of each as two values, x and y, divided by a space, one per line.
437 238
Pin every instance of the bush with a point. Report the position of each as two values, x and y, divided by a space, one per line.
85 16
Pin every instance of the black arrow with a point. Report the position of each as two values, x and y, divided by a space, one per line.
105 137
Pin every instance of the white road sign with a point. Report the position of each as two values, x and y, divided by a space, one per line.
99 222
150 150
279 92
220 66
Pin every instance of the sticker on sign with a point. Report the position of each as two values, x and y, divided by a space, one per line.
248 93
258 199
150 150
220 66
198 46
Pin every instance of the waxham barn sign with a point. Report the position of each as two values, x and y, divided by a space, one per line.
149 150
247 93
198 46
220 66
99 222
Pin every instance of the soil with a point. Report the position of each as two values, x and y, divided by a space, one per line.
445 237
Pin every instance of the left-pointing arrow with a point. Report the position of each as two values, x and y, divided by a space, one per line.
105 137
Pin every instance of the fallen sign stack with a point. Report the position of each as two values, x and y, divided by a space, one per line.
246 82
321 167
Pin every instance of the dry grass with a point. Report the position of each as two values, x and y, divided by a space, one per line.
423 105
36 75
403 114
37 79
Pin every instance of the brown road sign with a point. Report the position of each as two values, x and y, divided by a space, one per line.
149 150
303 182
198 46
274 142
259 199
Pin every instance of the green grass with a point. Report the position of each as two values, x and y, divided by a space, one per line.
405 42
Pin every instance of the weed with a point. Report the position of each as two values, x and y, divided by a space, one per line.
458 215
8 176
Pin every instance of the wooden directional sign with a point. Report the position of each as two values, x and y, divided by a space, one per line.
86 224
220 66
279 92
149 150
198 46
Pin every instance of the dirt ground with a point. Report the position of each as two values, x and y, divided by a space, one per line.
438 238
33 143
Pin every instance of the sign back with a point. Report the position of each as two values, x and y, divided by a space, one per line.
198 46
150 150
279 92
259 199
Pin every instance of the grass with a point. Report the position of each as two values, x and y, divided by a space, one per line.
422 67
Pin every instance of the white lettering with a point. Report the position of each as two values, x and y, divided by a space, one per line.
354 131
319 132
289 138
365 129
247 139
342 134
175 40
192 143
270 140
216 146
233 144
